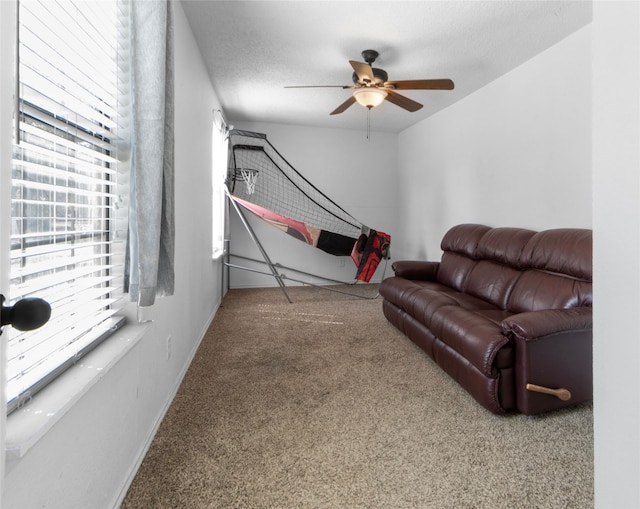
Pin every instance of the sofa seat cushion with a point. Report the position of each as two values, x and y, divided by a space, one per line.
472 334
404 292
401 291
468 325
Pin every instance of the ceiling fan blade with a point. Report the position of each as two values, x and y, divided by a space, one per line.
402 101
443 84
363 71
344 105
319 86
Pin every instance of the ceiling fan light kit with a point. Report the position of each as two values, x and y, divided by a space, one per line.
370 97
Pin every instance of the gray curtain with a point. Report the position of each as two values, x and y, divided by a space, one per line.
149 270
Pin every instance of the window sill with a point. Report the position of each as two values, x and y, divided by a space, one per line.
30 423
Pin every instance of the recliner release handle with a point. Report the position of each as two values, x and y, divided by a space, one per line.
563 394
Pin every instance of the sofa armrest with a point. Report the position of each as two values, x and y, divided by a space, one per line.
533 325
553 358
416 269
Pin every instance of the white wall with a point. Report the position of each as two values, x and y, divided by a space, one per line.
356 173
7 38
88 458
616 223
515 153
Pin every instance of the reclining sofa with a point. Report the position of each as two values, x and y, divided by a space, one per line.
506 313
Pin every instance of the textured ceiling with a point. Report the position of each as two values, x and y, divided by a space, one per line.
253 49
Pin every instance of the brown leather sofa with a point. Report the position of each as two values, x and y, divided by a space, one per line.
506 313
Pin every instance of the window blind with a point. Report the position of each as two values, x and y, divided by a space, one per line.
66 202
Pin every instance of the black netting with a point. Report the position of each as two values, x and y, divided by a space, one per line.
280 188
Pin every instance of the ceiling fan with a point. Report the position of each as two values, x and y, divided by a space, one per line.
371 86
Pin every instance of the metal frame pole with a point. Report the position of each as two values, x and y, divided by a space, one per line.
254 238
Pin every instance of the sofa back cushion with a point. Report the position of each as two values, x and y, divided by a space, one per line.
563 250
454 269
557 269
459 246
504 245
536 290
497 269
492 281
518 269
483 261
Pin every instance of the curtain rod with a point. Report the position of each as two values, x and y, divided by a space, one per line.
221 124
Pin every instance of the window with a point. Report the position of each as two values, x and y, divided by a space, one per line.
68 204
219 143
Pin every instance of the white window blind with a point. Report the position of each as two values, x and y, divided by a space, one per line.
67 241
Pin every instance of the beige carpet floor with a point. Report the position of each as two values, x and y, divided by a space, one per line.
323 404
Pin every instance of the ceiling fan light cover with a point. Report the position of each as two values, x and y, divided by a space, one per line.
369 97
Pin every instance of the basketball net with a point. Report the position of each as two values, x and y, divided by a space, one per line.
249 177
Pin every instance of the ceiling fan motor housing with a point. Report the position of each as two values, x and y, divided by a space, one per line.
380 76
